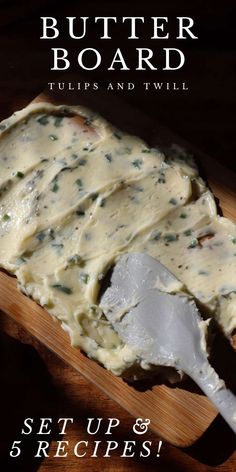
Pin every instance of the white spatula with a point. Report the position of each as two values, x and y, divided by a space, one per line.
163 328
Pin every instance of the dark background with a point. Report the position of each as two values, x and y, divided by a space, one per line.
204 115
34 382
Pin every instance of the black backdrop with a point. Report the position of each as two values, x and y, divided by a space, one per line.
204 115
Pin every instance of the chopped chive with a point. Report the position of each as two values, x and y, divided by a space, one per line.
58 246
76 260
79 183
188 232
53 137
85 278
102 203
82 162
58 120
62 288
108 157
173 201
93 308
94 196
20 260
128 237
203 272
20 175
170 238
138 188
6 217
137 163
234 240
43 120
156 236
183 216
80 212
147 151
27 254
52 233
55 188
193 243
41 236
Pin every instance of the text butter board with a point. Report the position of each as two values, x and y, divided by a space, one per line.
177 415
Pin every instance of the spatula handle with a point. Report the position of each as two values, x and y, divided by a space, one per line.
224 400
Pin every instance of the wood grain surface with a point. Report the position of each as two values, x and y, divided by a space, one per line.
177 415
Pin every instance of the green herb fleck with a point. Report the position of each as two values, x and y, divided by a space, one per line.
58 120
170 238
188 232
85 278
80 212
173 201
138 188
137 163
108 157
146 150
26 254
194 243
203 272
62 288
156 236
128 237
20 175
55 188
94 196
58 246
43 120
41 236
6 217
52 233
94 308
102 203
79 183
53 137
76 260
82 162
183 216
234 240
20 260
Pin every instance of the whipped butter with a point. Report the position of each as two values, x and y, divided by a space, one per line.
76 193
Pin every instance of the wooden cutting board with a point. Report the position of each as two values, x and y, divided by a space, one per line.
177 415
